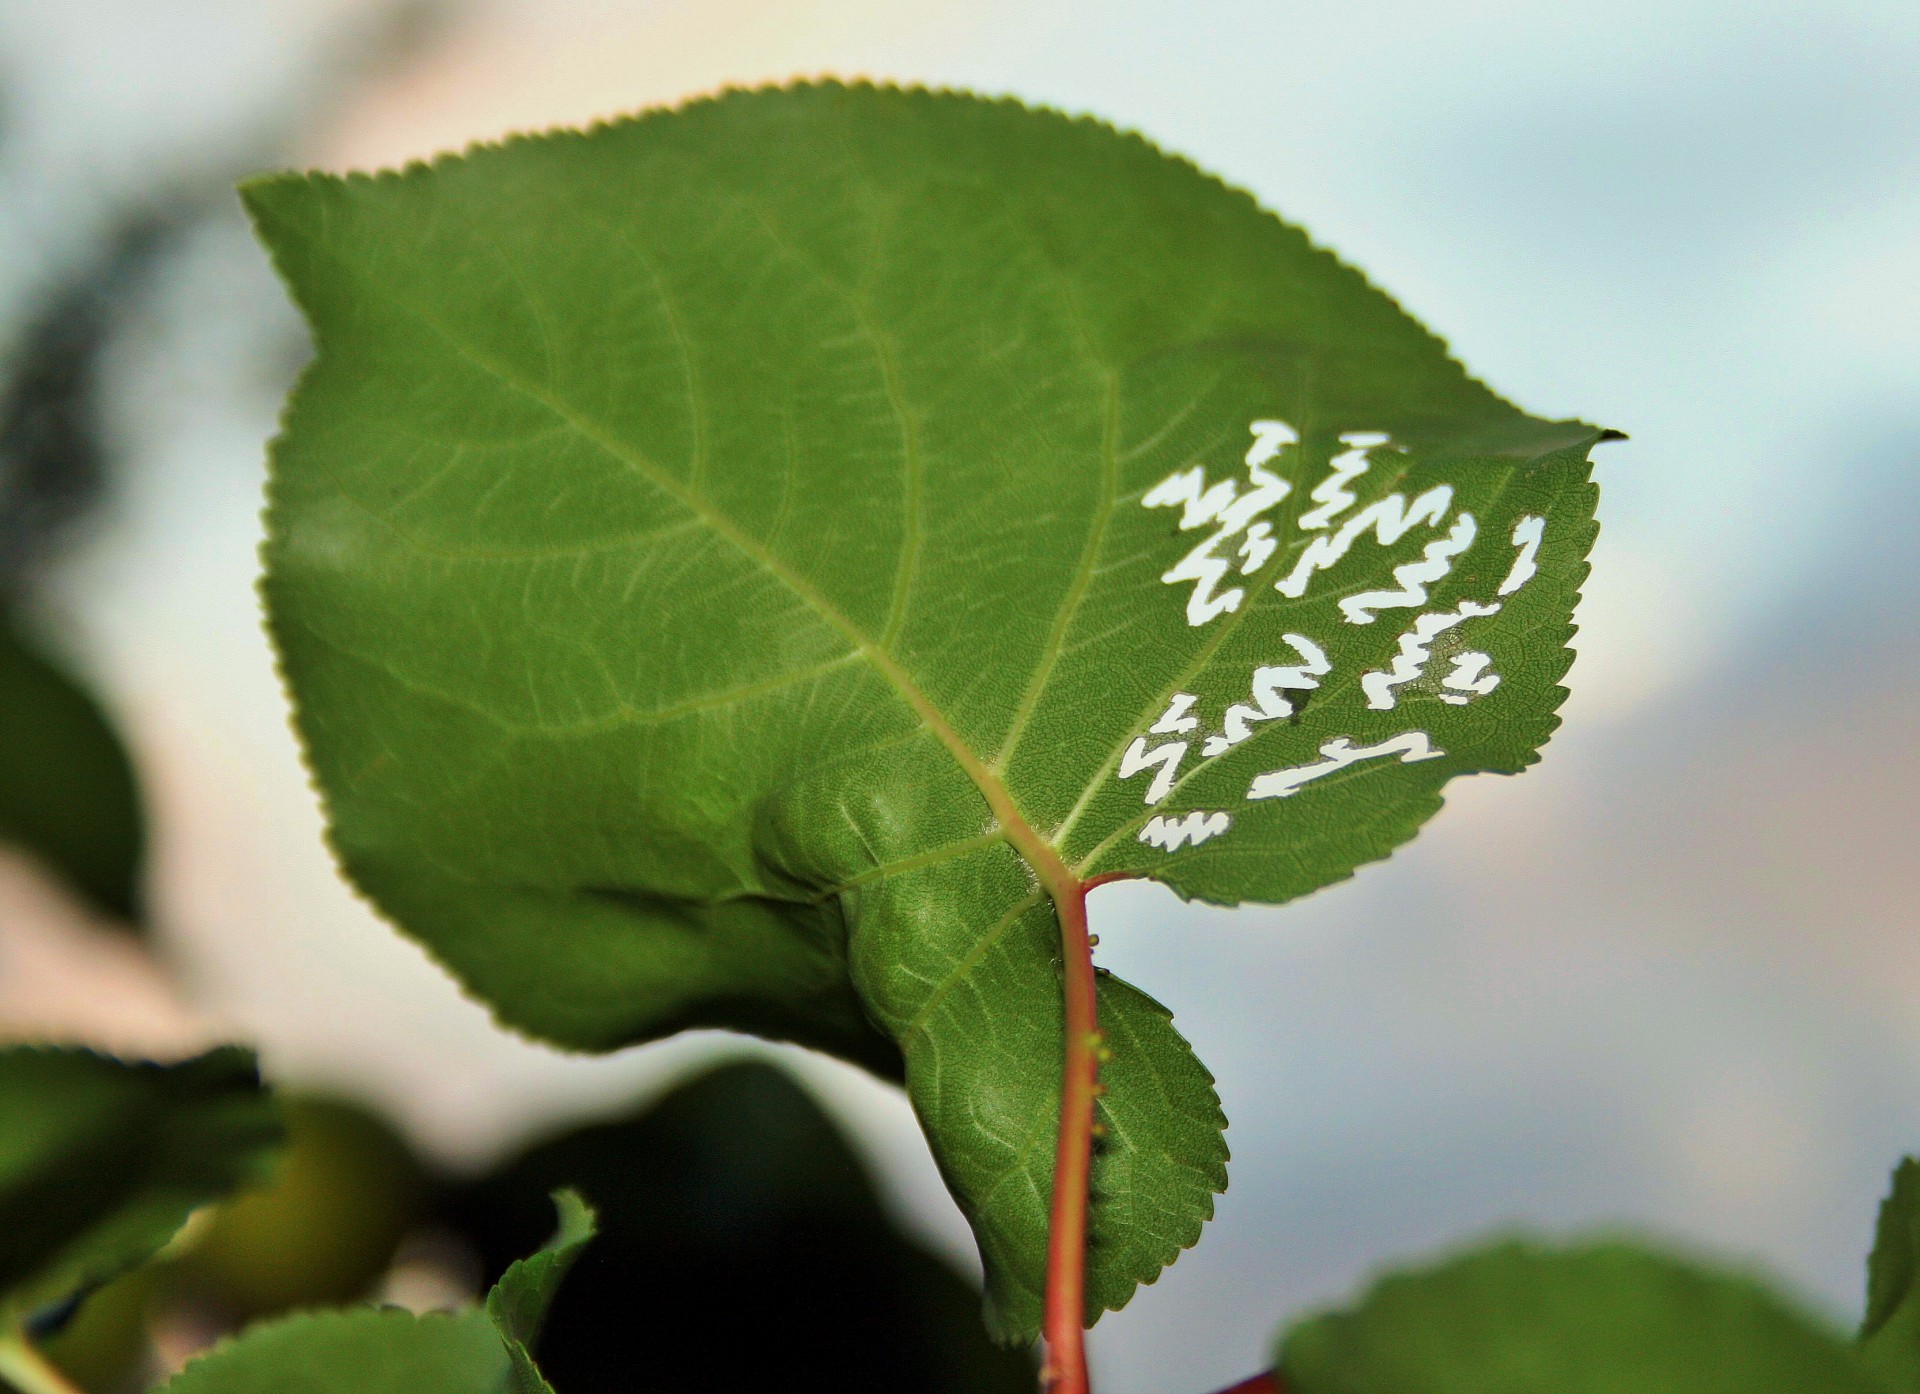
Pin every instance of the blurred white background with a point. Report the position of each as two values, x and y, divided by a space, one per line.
1670 979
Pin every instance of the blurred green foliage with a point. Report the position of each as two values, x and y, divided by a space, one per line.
325 1230
1890 1331
101 1161
67 790
1605 1318
103 1347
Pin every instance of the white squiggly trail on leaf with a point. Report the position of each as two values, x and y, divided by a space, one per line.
1174 721
1234 513
1256 547
1337 754
1416 647
1188 491
1269 439
1468 678
1332 494
1268 684
1389 519
1526 536
1414 577
1164 758
1171 834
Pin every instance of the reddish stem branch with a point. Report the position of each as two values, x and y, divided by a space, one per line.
1064 1314
1264 1383
1065 1371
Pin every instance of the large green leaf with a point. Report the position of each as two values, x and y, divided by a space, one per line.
101 1162
482 1350
348 1189
1600 1319
67 790
718 556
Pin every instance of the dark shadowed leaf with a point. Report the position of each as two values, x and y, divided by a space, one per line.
724 558
324 1230
735 1199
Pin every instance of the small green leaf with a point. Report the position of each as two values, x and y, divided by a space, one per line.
723 559
483 1350
67 791
519 1301
101 1161
1609 1318
1890 1332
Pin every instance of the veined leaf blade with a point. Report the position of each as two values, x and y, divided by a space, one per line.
715 554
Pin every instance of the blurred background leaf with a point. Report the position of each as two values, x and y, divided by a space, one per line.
104 1346
1890 1331
102 1161
67 790
1604 1318
324 1232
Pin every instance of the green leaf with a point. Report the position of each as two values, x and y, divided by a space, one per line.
483 1350
101 1161
722 559
1890 1332
363 1351
518 1302
347 1191
1609 1318
67 791
735 1194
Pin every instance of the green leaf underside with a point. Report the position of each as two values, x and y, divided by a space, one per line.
67 792
101 1162
482 1350
1607 1318
1890 1332
686 524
